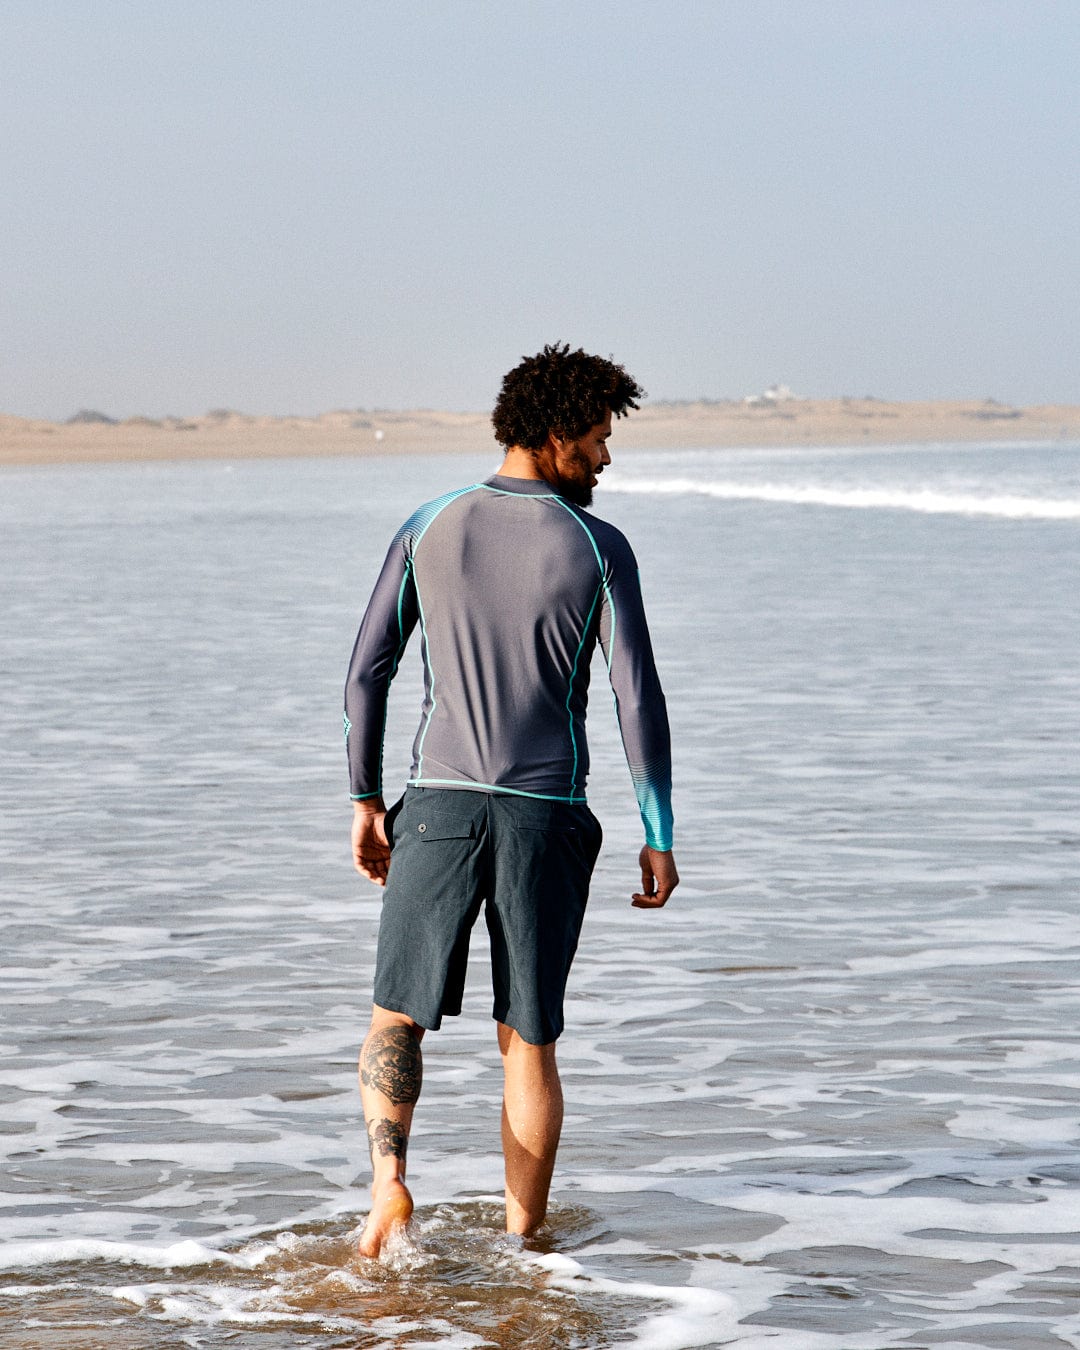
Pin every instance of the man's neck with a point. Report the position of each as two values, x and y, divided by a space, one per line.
520 463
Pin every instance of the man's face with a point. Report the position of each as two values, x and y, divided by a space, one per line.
579 463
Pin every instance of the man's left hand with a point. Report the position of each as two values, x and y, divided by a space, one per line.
659 877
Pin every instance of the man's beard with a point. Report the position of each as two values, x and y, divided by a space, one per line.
577 489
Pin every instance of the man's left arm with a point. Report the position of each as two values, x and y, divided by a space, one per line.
388 621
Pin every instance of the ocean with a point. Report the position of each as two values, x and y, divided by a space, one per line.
829 1099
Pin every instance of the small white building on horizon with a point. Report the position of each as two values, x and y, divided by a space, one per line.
776 393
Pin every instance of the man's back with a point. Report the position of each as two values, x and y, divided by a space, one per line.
512 586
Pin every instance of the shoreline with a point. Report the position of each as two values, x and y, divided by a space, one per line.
674 426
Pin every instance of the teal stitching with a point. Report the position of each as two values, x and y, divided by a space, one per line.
603 578
570 690
400 597
418 781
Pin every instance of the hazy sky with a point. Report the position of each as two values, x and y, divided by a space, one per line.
305 205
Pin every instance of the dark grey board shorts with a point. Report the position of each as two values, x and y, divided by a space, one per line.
452 850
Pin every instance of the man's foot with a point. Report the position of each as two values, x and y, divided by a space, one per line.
391 1209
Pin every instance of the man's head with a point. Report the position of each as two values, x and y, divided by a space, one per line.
560 391
558 406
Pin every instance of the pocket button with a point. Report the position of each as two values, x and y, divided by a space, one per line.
421 828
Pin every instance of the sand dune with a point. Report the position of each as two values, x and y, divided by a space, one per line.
228 435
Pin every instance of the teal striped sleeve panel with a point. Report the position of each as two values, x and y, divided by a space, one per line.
639 699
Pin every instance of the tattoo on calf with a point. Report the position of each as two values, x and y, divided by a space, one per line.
389 1137
391 1064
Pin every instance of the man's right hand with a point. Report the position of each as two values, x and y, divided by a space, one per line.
659 877
370 847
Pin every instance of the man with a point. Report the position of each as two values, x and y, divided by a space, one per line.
512 583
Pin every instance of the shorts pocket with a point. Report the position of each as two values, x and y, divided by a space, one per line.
429 829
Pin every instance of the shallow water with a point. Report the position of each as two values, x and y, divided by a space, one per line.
828 1098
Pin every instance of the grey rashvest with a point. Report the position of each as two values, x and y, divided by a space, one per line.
512 586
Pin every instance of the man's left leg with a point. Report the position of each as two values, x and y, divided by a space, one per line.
531 1124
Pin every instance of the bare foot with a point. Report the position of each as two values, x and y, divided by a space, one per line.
391 1208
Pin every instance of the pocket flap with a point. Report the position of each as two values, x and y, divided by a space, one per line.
430 828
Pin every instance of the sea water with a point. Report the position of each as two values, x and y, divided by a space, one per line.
828 1098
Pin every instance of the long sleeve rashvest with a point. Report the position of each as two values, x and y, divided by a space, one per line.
512 587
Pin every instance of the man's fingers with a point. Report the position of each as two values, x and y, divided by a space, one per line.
652 898
658 879
373 873
373 864
649 897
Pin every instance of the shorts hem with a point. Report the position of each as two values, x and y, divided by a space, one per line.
507 1019
394 1006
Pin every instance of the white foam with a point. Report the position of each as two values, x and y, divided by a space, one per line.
696 1317
929 1226
1005 1127
21 1255
929 501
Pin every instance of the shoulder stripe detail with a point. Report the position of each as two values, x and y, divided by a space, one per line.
421 520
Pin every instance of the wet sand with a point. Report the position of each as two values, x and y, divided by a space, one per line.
810 422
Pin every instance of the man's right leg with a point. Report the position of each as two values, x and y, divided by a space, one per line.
391 1071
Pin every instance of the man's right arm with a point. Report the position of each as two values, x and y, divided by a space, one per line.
370 846
389 620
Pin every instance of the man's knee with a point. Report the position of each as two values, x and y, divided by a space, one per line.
386 1017
514 1048
390 1059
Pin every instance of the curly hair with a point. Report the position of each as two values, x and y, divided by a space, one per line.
561 391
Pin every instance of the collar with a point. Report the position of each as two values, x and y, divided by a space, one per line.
524 487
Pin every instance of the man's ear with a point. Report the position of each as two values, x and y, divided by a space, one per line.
556 442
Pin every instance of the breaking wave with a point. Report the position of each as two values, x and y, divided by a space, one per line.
930 501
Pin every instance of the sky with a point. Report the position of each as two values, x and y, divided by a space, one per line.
294 206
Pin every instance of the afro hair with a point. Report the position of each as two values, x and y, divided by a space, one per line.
560 391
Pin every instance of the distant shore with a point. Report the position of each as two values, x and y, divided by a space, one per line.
669 426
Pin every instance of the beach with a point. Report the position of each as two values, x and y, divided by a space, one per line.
740 423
